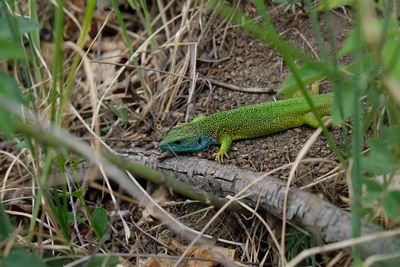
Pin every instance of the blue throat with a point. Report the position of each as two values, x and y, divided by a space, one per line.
189 145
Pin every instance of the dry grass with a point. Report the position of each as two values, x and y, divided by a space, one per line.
122 96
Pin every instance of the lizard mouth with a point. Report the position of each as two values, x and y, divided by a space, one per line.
175 148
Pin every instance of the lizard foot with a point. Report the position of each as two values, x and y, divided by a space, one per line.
219 156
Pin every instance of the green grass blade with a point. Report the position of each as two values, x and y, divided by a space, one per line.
67 91
357 139
57 71
121 22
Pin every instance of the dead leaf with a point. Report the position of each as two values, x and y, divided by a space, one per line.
110 44
47 51
209 252
160 195
206 252
105 73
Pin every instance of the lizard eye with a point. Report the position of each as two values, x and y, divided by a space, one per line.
178 142
199 141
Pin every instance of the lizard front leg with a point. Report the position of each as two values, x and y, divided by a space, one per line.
226 142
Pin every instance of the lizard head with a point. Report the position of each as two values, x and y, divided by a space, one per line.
185 138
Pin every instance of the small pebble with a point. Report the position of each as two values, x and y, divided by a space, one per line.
264 146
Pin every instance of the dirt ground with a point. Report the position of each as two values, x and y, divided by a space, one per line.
241 60
247 62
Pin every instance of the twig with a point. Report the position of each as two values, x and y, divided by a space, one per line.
239 88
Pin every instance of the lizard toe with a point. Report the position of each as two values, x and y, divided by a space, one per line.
219 156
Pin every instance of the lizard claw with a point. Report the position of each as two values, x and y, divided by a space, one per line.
219 156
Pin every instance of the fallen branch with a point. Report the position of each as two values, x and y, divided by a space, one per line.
317 216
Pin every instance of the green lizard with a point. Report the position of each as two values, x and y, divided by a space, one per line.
242 123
